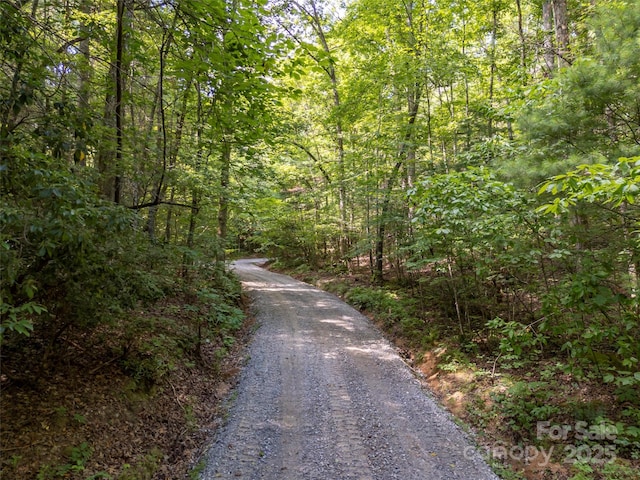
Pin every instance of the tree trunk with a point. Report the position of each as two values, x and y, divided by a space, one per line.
186 261
547 43
84 89
167 227
161 188
454 144
560 15
523 43
119 80
492 75
405 151
409 147
382 223
429 126
467 107
223 199
106 155
333 78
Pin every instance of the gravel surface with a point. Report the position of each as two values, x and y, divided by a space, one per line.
324 396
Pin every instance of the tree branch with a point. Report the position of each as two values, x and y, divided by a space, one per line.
160 202
315 159
70 43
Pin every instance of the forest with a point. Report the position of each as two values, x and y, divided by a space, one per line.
466 172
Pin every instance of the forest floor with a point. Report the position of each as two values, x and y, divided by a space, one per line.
95 418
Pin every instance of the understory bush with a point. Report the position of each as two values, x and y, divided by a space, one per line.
388 305
75 264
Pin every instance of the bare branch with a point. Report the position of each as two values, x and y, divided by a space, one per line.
155 203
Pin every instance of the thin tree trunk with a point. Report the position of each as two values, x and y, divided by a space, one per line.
547 43
429 126
173 154
84 89
413 102
342 190
333 78
467 109
161 188
406 146
523 43
119 79
456 300
186 262
192 219
105 159
494 41
223 199
454 145
167 228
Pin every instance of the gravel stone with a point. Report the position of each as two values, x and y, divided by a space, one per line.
324 396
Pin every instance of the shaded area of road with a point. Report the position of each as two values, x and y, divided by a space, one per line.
324 396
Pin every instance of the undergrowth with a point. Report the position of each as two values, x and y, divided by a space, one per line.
146 374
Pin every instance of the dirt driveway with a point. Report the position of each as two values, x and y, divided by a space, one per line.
324 396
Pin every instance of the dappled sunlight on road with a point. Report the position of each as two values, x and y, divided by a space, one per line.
327 396
346 324
377 350
275 287
295 339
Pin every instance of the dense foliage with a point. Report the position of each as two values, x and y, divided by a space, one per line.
507 182
485 154
122 125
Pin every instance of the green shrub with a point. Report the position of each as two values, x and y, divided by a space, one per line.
524 404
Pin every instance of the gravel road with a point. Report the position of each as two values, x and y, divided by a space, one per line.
324 396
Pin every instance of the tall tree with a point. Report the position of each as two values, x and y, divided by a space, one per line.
560 15
325 59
